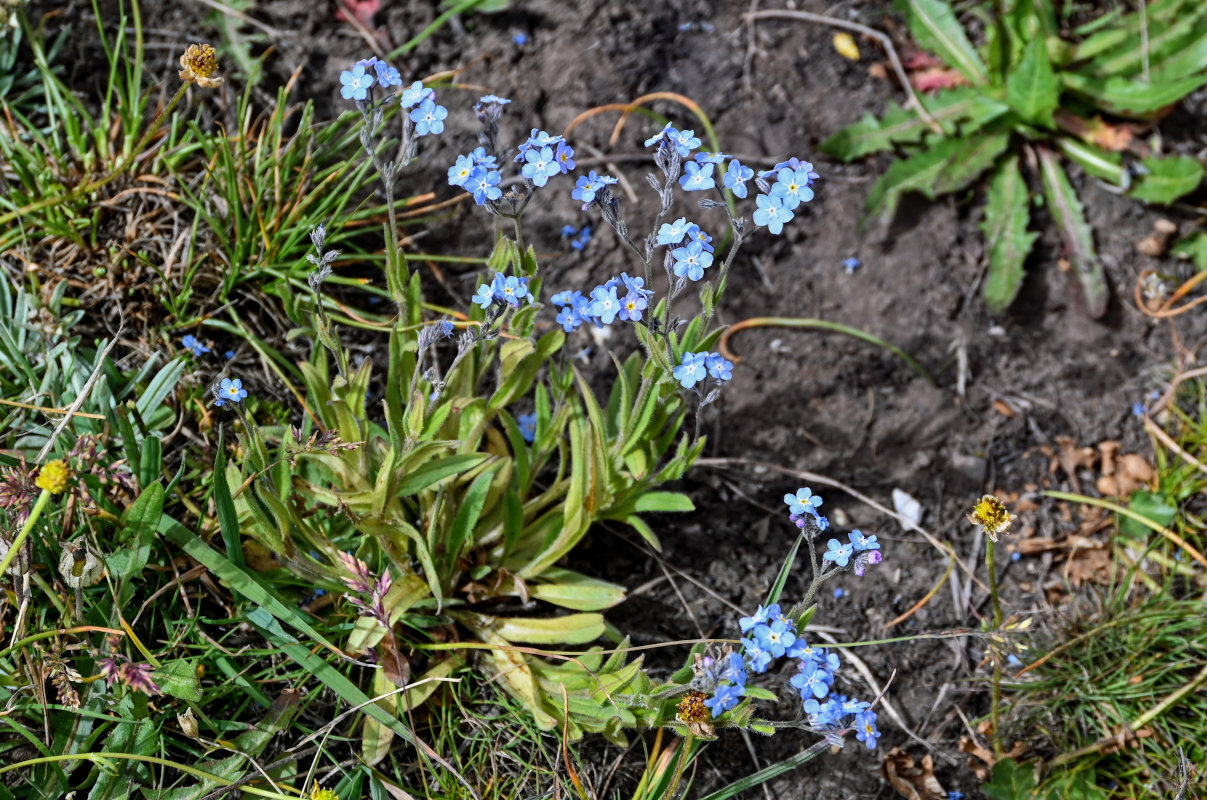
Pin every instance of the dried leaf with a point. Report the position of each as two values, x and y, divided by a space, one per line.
1134 472
912 782
1115 138
982 759
1087 565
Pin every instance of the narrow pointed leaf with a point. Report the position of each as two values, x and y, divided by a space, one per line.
1078 237
978 155
934 25
1007 241
438 470
1032 89
1167 179
1094 160
961 110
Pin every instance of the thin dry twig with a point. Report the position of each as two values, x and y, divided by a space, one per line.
882 39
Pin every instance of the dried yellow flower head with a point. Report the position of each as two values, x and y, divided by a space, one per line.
8 14
53 476
991 514
692 708
697 716
198 64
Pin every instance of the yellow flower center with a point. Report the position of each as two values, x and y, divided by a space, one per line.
203 59
53 477
198 64
991 514
692 708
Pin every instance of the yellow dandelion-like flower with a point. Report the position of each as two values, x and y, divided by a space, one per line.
991 515
198 64
53 476
319 793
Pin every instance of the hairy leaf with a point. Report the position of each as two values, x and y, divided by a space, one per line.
948 166
1032 88
959 110
1131 96
1163 41
1007 241
1167 179
1094 160
979 155
936 28
1069 216
569 629
573 590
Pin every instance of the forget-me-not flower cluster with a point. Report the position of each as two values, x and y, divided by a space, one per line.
503 290
605 304
770 634
695 367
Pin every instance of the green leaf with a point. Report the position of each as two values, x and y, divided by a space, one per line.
570 629
238 580
936 28
1067 212
1193 248
1167 179
228 517
1151 506
647 533
979 154
1131 96
959 110
164 382
178 678
438 470
1094 160
1011 781
911 174
1007 241
468 513
1032 88
139 523
663 501
1162 42
573 590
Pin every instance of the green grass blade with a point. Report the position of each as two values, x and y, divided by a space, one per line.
769 773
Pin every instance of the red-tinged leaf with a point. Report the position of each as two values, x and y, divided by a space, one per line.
930 80
1078 237
362 10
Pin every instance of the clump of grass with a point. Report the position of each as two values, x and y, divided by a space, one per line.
1118 704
